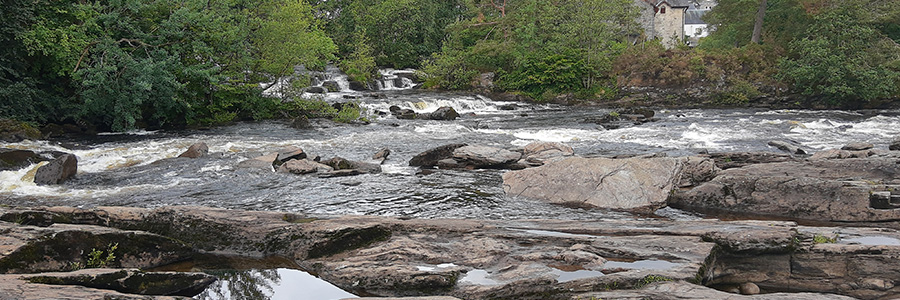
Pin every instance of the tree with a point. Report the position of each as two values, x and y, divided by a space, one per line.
843 59
758 23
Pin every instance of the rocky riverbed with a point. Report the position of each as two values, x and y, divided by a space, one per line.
466 259
507 201
42 249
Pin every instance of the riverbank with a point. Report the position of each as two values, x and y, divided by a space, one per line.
524 259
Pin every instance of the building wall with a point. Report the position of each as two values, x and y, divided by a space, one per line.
669 25
646 19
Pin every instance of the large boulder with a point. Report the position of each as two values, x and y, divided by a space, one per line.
288 154
536 153
15 131
265 162
430 158
196 150
57 171
626 184
479 156
849 190
443 113
787 147
358 86
403 113
315 90
331 86
339 163
14 159
303 166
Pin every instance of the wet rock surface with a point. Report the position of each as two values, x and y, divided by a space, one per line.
196 151
57 171
14 159
627 184
482 259
129 281
824 190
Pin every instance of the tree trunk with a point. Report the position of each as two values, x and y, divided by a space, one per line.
757 26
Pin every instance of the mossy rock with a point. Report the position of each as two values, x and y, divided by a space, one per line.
348 239
66 249
133 281
15 131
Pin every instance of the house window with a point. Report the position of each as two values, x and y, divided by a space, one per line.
662 10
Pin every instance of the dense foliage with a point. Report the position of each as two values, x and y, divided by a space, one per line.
843 52
122 64
539 48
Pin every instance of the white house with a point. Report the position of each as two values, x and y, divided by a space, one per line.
694 26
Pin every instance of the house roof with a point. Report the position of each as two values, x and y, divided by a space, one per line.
674 3
694 16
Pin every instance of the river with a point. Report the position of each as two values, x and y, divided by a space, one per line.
125 169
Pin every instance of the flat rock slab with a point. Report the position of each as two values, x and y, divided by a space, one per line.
820 190
528 259
130 281
29 249
688 291
625 184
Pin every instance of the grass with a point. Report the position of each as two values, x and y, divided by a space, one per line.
822 239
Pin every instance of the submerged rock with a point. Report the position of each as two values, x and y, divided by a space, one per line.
858 146
196 151
381 155
429 158
627 184
15 159
787 147
265 162
303 166
57 171
339 164
403 113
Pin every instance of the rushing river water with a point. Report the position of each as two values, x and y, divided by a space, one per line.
122 169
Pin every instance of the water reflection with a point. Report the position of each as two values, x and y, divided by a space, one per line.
245 278
270 284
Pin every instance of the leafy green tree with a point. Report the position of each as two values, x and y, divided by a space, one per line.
843 59
123 64
538 46
401 33
736 20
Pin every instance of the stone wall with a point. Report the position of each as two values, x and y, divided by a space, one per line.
669 25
